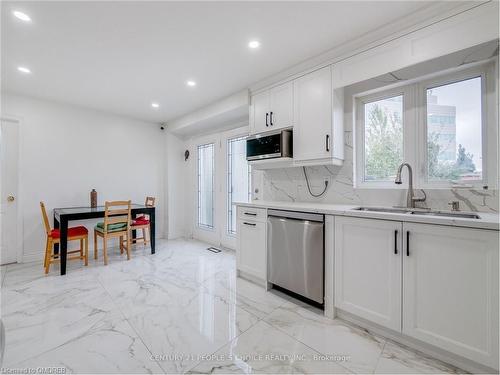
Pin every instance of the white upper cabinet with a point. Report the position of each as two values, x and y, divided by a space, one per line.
272 109
313 138
450 289
313 109
368 269
281 106
259 113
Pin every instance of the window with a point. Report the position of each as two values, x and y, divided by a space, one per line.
454 131
238 179
383 138
206 186
438 126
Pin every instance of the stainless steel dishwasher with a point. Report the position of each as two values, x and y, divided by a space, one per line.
295 244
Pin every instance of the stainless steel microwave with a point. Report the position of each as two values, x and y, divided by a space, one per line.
277 144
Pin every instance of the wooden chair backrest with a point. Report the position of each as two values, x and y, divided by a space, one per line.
116 212
46 222
150 202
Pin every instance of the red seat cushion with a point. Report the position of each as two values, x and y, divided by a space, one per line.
72 232
143 221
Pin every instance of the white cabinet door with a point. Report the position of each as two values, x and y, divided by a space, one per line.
450 289
312 95
281 106
259 113
251 249
368 269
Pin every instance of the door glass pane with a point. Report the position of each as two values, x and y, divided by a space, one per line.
206 186
383 131
454 150
238 179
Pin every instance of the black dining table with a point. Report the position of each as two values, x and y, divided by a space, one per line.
62 216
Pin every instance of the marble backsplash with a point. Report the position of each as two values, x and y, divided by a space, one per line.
289 184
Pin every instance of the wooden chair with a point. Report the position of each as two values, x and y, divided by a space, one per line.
116 224
53 237
142 223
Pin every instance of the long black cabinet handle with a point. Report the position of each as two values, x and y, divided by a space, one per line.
327 143
250 214
252 224
271 118
396 242
267 115
407 243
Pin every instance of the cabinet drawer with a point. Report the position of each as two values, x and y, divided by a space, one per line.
251 249
251 213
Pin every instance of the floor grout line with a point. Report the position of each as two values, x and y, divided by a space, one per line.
380 356
130 324
303 343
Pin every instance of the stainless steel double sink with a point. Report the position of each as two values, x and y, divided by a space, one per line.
418 211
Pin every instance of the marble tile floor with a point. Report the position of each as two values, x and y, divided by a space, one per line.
182 310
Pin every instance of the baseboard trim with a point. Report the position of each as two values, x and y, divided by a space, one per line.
426 349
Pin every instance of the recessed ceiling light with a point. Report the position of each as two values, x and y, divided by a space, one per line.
191 83
22 16
155 105
23 69
254 44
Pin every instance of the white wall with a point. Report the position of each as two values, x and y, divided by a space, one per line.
177 180
65 151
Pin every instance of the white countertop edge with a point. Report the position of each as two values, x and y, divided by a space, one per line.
487 220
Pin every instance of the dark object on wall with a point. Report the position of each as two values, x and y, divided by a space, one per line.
93 198
186 155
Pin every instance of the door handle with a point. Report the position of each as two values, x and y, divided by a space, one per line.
251 224
407 243
271 118
328 143
267 115
396 242
11 198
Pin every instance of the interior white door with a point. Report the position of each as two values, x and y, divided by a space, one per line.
9 143
213 213
368 269
450 289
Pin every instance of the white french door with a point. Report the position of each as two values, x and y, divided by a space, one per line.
9 155
222 177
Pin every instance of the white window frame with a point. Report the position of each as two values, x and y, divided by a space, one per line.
415 128
408 127
198 224
483 71
229 139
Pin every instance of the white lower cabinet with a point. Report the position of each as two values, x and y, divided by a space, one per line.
442 283
368 269
251 245
450 289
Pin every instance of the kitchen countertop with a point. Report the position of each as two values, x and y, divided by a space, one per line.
486 221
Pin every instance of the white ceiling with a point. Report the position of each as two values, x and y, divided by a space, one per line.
121 56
